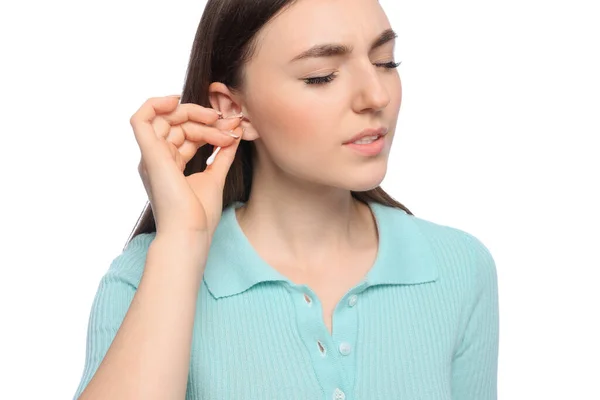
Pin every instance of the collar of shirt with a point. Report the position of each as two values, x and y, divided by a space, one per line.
404 255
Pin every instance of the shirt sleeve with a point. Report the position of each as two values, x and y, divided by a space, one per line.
475 361
111 302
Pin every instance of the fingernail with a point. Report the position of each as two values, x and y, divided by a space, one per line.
174 95
240 115
230 133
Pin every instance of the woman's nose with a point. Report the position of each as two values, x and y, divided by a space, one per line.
372 93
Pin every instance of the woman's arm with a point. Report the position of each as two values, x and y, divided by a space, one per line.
475 362
150 355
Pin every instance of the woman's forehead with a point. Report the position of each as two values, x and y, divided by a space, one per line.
311 22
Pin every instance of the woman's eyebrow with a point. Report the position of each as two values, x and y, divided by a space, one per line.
335 49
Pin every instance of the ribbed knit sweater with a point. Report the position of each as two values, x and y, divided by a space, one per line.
422 324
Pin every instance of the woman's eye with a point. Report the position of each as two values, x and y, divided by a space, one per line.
320 80
389 65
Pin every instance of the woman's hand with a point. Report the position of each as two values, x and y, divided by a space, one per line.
169 134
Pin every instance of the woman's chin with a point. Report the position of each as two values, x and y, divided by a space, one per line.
366 179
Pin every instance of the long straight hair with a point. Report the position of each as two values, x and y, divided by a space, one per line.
224 42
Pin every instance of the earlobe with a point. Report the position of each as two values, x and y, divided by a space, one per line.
250 133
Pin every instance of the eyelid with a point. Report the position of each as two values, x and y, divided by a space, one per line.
374 63
319 80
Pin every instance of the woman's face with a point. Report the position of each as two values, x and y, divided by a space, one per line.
302 126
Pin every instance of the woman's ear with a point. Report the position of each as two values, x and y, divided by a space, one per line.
222 99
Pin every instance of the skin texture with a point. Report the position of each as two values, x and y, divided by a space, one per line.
301 217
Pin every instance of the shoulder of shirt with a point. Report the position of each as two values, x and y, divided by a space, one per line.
450 240
129 264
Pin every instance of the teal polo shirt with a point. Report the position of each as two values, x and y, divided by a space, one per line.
422 324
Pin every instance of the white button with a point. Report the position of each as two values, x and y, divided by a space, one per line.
345 348
352 300
338 395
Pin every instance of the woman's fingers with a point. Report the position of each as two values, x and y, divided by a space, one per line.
162 124
222 163
185 127
196 135
170 126
192 112
141 121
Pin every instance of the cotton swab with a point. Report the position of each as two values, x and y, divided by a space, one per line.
211 159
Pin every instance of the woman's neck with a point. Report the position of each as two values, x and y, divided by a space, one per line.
307 230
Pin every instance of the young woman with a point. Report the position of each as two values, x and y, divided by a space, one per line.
282 270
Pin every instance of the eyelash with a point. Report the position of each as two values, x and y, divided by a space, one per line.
320 80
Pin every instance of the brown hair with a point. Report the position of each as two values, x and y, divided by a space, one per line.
224 42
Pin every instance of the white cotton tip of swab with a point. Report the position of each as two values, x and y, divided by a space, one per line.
211 159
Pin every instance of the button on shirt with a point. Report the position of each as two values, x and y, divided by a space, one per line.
422 324
352 300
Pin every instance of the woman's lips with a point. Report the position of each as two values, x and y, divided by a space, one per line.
368 149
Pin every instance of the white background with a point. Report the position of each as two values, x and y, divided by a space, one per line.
498 136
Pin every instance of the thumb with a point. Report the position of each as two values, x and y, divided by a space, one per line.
220 167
